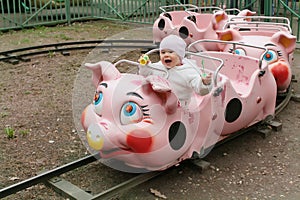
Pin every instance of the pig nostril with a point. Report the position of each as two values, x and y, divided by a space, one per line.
104 125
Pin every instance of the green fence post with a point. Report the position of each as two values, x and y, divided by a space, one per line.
268 7
68 11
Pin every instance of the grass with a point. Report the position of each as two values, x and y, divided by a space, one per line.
63 37
25 40
10 132
51 54
53 34
24 132
3 114
27 92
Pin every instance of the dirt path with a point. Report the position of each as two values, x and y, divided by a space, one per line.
36 103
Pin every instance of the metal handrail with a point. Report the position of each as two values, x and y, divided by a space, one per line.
259 28
198 9
285 21
234 47
261 17
164 8
215 74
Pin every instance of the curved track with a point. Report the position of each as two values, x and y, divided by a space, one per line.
24 54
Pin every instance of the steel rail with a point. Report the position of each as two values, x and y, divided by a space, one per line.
111 192
139 179
287 97
69 46
40 178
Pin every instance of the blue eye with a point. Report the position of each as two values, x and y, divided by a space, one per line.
130 113
129 109
98 102
270 56
240 52
98 98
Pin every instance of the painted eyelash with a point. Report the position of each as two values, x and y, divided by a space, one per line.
231 50
279 53
145 109
98 91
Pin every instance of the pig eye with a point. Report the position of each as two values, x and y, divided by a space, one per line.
240 52
131 113
270 56
98 102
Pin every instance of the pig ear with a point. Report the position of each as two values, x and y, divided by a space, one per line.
158 83
285 39
103 71
162 88
228 35
218 17
246 12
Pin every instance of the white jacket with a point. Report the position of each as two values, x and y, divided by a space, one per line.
184 79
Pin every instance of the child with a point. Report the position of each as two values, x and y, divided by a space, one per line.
183 77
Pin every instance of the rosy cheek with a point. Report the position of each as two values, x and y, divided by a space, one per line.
139 141
280 72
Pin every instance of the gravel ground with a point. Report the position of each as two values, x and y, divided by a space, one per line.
36 102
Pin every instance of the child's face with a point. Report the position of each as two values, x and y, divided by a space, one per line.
169 58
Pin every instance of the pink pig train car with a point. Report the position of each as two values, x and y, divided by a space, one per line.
193 23
189 25
280 45
137 121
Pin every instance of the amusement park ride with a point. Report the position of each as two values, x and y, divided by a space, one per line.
135 121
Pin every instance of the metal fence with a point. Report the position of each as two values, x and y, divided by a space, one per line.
16 14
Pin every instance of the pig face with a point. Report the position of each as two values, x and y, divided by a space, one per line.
190 26
134 119
202 26
167 23
280 47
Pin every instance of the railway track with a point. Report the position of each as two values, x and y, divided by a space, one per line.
23 54
52 178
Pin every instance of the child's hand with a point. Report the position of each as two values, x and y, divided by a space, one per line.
206 80
144 59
